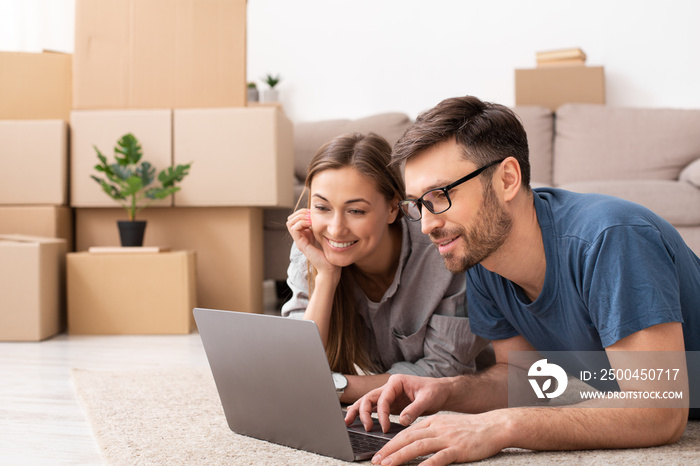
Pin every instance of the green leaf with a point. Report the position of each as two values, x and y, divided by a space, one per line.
112 191
102 166
108 170
128 146
161 193
271 80
102 158
121 173
146 172
133 186
170 175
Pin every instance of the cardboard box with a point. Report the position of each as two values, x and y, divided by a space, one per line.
553 86
242 156
35 86
103 128
32 284
131 293
228 242
35 162
47 221
159 54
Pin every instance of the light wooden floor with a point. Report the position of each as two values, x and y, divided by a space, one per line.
41 422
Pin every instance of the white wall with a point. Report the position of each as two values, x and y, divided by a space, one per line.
355 57
352 58
35 25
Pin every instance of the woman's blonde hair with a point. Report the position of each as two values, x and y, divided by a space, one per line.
370 155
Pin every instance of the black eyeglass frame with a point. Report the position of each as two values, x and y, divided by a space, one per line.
445 189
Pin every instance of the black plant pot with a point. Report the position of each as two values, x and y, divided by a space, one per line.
131 232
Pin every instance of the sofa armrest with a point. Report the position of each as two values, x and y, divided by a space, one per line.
691 173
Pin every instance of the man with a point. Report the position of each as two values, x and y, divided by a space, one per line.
547 270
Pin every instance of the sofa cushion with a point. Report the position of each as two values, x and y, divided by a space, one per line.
691 236
310 136
539 126
669 199
691 174
596 142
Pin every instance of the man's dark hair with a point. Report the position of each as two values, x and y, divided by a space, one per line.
485 132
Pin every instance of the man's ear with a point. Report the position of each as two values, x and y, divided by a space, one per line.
511 178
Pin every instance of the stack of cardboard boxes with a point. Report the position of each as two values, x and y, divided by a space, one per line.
35 90
36 226
561 76
173 74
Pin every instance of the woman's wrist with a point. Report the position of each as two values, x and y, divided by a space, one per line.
327 277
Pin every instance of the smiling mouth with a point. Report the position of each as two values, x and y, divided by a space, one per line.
444 242
444 245
342 245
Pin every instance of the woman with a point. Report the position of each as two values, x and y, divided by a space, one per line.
380 295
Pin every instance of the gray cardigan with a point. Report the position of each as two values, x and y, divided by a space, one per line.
421 324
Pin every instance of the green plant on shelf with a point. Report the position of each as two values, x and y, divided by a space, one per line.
271 80
129 182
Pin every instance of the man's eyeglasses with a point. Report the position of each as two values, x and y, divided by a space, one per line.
437 200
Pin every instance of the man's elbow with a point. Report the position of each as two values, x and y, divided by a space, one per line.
674 421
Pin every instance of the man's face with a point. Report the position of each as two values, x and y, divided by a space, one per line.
476 224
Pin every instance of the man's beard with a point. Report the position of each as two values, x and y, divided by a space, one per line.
490 230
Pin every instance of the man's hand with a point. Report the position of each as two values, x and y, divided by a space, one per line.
456 438
407 395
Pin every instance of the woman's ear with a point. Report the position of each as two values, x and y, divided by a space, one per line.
393 210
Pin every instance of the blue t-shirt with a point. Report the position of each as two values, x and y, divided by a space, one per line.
613 268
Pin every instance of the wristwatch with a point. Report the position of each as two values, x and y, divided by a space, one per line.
341 382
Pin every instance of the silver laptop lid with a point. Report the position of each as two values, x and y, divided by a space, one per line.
274 380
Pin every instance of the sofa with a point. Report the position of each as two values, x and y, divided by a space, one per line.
648 156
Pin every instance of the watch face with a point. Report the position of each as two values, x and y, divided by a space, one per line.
340 381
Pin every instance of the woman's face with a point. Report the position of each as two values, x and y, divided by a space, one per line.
349 216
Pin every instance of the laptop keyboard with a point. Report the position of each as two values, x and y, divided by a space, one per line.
362 443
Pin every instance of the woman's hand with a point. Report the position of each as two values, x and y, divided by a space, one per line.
328 275
299 226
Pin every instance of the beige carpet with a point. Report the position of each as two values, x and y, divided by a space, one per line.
173 416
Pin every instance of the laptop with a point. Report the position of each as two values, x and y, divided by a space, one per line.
275 384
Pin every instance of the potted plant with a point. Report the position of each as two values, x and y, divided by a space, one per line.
271 94
253 94
129 181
